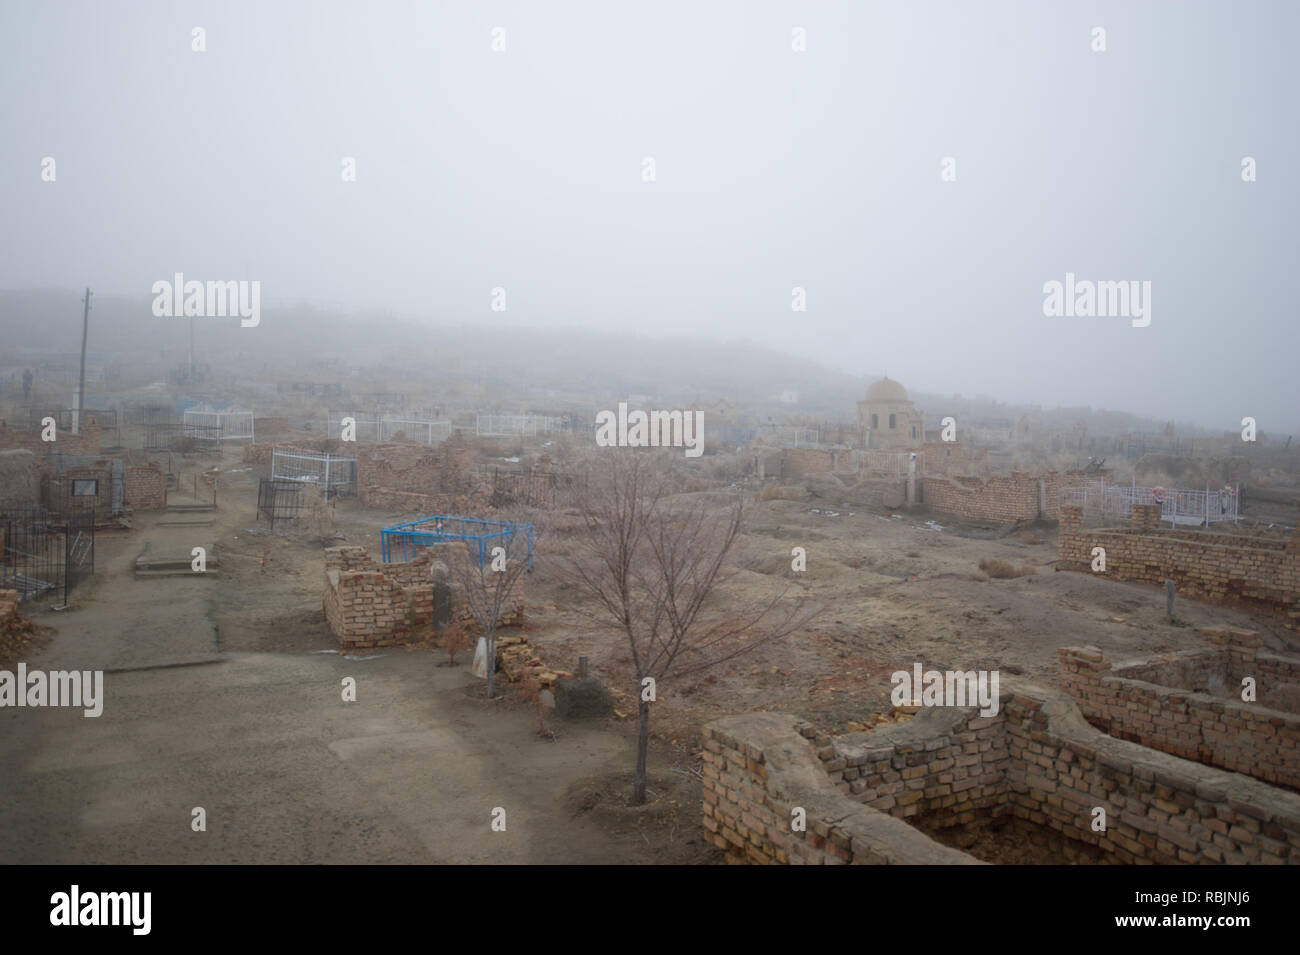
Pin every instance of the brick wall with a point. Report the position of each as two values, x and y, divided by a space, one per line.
65 442
59 499
144 486
798 462
952 457
760 767
1036 763
1222 567
1218 730
369 604
1006 499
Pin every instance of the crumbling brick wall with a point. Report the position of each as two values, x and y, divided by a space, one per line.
797 463
144 487
952 458
1213 729
1222 567
415 477
369 604
1036 761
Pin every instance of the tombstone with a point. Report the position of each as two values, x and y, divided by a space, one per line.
1169 598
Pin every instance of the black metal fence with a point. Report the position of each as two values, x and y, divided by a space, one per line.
40 555
280 500
536 488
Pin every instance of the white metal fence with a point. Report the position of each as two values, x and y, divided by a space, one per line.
233 425
1186 506
494 425
375 428
332 473
787 436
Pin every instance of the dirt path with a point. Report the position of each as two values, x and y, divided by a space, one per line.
286 771
289 773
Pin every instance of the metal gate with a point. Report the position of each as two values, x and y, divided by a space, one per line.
79 551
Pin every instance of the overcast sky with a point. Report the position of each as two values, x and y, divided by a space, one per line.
774 168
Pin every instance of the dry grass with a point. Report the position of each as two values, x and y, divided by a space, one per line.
774 492
1005 570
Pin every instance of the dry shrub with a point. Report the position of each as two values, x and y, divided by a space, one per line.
453 642
317 513
1004 569
913 553
774 492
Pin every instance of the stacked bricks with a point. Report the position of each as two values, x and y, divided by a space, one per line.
1145 517
1044 767
144 486
1217 731
362 606
377 605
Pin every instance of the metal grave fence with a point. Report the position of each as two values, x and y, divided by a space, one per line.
1185 506
279 500
401 542
335 475
41 555
234 424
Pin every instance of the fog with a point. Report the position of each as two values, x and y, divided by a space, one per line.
523 169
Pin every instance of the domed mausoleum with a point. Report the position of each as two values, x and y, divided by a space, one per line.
887 419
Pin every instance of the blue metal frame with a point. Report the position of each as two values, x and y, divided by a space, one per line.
399 542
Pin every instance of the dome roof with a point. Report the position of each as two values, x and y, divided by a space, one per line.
886 389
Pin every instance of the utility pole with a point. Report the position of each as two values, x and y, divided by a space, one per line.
81 386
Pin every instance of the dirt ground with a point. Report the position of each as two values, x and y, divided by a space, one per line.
263 731
224 692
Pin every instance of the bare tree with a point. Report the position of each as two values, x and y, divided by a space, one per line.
651 564
489 575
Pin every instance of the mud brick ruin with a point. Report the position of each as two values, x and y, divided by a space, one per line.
1249 569
1036 766
1189 704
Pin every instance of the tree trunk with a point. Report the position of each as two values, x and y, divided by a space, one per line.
642 745
491 662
